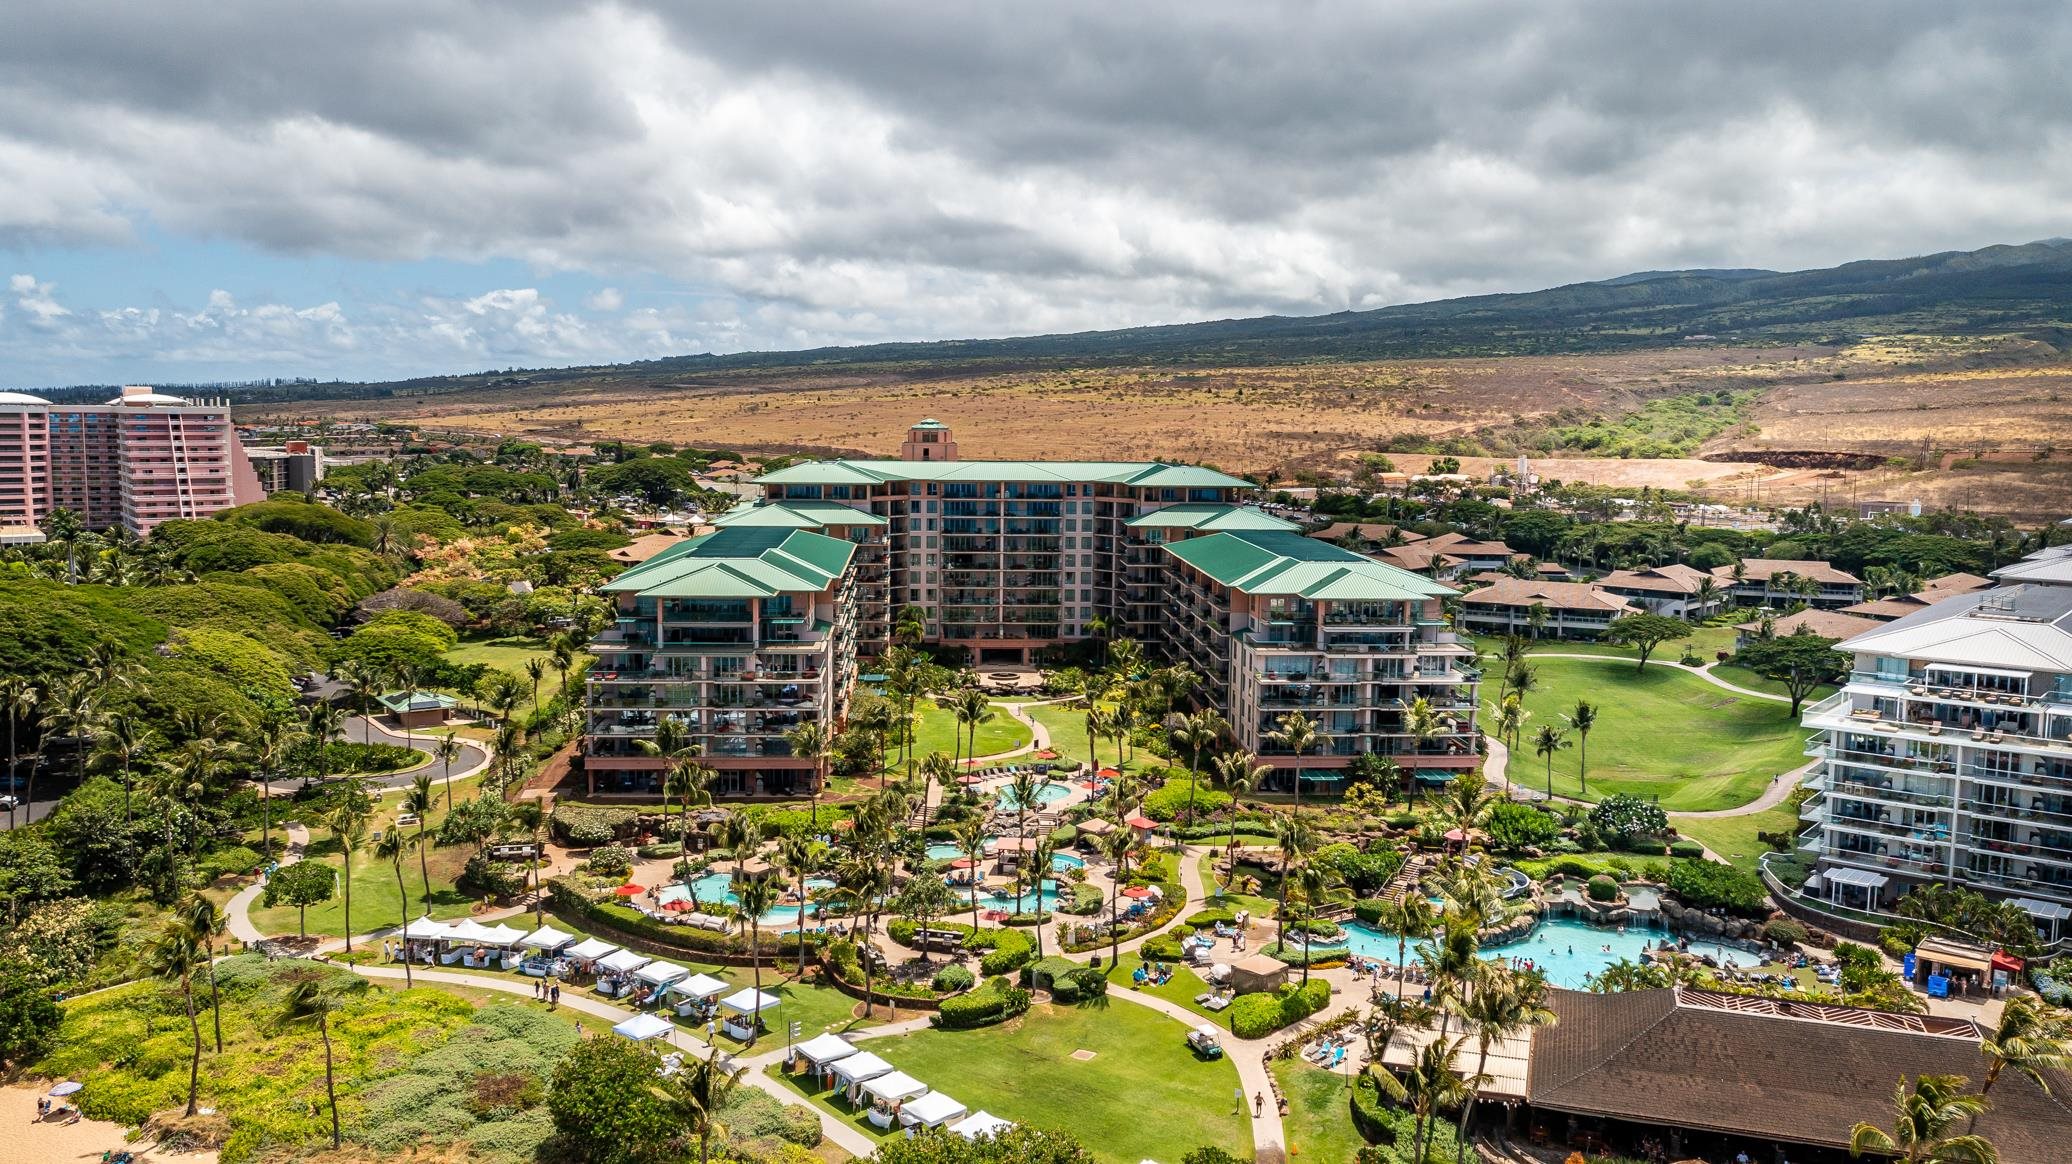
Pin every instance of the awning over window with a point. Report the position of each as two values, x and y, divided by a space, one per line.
1968 669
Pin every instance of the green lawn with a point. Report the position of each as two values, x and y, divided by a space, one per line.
939 730
1067 727
1743 677
509 654
1180 990
376 904
1143 1094
1733 837
1261 906
1319 1123
1661 734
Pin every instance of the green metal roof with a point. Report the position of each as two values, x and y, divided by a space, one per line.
1208 515
739 562
931 422
813 515
1151 473
1281 562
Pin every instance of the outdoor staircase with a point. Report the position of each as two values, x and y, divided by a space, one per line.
1406 880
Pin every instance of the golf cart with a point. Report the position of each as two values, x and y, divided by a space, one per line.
1205 1041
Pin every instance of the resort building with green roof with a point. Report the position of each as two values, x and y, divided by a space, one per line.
738 636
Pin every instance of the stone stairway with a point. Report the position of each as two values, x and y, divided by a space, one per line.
1406 879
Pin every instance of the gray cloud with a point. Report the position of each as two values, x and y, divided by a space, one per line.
828 173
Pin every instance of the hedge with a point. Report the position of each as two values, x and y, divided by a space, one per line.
997 1001
584 825
1370 909
1705 884
1254 1016
951 979
1207 918
1011 950
1163 948
1686 849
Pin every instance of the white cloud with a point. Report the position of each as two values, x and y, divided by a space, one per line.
605 299
35 300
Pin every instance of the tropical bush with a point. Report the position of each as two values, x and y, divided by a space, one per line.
610 861
1622 816
584 825
951 979
1254 1016
1513 826
1169 802
1602 888
1012 949
996 1001
1705 884
1688 849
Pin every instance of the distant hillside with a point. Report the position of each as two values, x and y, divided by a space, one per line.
2025 290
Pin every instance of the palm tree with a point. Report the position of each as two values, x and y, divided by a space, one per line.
1239 772
277 738
125 738
938 768
75 711
360 681
1294 839
1040 859
811 740
801 857
1022 787
1467 801
910 625
972 710
755 899
448 750
1314 883
1196 734
737 834
1116 847
866 877
535 670
695 1094
205 923
970 835
528 815
391 847
349 824
1299 735
1093 688
18 702
1450 957
418 803
1536 618
1582 719
2030 1037
1430 1084
308 1002
1547 741
1412 919
685 783
175 957
1922 1120
1502 1008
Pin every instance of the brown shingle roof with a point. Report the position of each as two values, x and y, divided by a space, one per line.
1675 578
1799 1073
1416 557
1958 583
644 547
1528 592
1764 569
1370 530
1828 624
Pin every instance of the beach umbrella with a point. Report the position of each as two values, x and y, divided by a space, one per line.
68 1087
630 890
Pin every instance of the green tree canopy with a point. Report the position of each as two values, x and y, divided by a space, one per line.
605 1105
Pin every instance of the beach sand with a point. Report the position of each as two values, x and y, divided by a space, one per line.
23 1140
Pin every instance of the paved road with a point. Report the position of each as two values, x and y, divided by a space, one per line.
363 730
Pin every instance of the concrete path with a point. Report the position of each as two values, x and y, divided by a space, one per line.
1248 1056
238 913
362 729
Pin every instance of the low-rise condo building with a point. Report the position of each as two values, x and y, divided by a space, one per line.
1780 582
1947 756
1676 590
1528 606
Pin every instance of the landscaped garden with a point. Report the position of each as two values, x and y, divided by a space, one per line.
1660 733
939 731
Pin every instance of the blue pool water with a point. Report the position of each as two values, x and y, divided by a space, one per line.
1550 945
1059 862
944 851
718 887
1045 794
1063 861
1032 901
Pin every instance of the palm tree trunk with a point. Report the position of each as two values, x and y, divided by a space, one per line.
755 955
330 1082
424 870
348 878
215 996
407 982
194 1062
1467 1110
802 925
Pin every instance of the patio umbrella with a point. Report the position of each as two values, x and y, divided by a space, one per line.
964 863
676 906
630 890
1136 891
68 1087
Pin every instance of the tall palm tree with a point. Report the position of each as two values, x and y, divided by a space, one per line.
737 834
1022 786
686 784
535 670
970 835
271 747
972 710
324 726
2030 1037
1239 772
801 857
937 769
205 923
175 957
349 824
1506 1005
1040 859
811 740
694 1095
1455 970
391 847
418 802
1467 801
866 877
1299 735
529 816
1922 1121
1314 882
1582 719
75 712
19 700
1294 839
1545 742
910 625
448 750
1093 688
755 899
1196 734
123 740
1116 847
1412 919
1430 1084
309 1002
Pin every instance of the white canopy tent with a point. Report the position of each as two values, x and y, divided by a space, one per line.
982 1123
821 1050
894 1086
642 1027
749 1000
502 935
546 938
468 932
591 949
623 962
931 1110
424 929
853 1071
699 986
660 973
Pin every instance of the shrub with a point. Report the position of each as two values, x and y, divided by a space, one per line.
1603 888
1087 982
611 861
1785 932
1207 918
1371 909
1011 950
665 849
1164 948
1574 867
1515 826
1703 883
1686 849
1254 1016
1169 802
1623 816
951 979
991 1004
482 877
584 825
236 859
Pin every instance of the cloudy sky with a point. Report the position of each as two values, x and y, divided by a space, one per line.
242 189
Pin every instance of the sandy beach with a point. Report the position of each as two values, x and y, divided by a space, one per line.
27 1141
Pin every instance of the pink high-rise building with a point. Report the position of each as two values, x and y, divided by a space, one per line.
137 460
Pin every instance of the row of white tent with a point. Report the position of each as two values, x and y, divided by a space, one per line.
861 1073
680 981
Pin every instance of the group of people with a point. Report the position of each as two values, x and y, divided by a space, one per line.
1152 974
547 991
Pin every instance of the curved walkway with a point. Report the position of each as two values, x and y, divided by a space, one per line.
1497 763
362 729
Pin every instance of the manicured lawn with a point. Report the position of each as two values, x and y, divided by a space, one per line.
376 904
1734 837
510 654
1067 727
939 730
1319 1123
1143 1095
1743 677
1260 906
1179 990
1660 734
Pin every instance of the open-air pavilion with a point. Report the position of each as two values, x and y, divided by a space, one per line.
1851 888
930 1111
981 1123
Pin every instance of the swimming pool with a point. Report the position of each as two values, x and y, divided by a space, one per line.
718 887
1031 902
1060 862
944 851
1045 794
1568 951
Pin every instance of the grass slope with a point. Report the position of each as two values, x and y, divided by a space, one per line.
1319 1123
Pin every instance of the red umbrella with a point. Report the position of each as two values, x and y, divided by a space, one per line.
1137 891
630 890
964 863
1108 773
971 778
676 905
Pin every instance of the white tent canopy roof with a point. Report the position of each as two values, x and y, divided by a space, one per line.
590 949
750 1001
826 1048
1843 875
468 930
982 1123
502 935
860 1066
642 1027
623 962
425 929
546 938
930 1110
2047 910
895 1086
661 973
698 986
